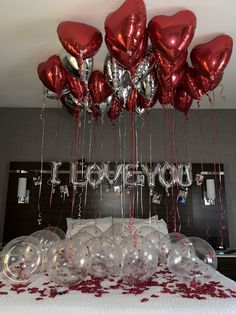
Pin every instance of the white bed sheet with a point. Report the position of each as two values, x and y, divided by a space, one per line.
115 302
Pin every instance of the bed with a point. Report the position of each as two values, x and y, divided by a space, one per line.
168 296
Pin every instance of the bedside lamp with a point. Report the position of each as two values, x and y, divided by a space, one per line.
22 192
210 193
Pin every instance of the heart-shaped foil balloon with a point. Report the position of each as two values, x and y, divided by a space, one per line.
182 100
125 31
52 74
171 35
81 40
216 81
191 84
116 108
76 86
211 58
167 67
98 87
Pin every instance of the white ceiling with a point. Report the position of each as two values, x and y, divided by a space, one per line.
28 36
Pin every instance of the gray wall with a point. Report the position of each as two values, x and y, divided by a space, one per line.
21 141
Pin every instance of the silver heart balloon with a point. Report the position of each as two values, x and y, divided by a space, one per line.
144 67
82 71
147 87
117 77
51 95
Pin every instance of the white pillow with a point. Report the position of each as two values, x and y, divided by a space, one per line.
158 225
75 225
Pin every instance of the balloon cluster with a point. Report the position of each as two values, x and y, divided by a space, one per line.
135 74
132 257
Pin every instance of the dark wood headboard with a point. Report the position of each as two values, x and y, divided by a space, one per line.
21 219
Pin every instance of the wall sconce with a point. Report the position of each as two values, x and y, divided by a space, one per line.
210 192
22 192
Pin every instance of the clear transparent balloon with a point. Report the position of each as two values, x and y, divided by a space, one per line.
22 260
94 230
57 230
103 257
167 244
137 259
155 237
193 259
145 230
116 233
82 237
47 240
69 263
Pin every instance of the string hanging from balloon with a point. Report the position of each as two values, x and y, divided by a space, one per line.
83 159
76 153
137 159
133 169
217 168
42 118
150 160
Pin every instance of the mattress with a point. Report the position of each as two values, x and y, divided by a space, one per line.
163 295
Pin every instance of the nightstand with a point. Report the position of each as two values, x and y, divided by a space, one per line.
227 265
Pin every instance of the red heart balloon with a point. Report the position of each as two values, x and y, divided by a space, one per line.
191 85
116 108
164 95
98 87
172 81
81 40
167 67
133 100
52 74
76 86
203 83
216 81
125 29
211 58
171 35
182 100
95 111
126 59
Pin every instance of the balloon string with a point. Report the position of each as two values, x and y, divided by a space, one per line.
42 118
141 161
178 215
186 139
83 157
132 161
58 116
136 158
171 145
219 183
120 159
199 122
221 92
176 209
124 159
90 141
165 135
167 211
150 162
170 136
120 139
101 185
174 138
115 139
77 139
